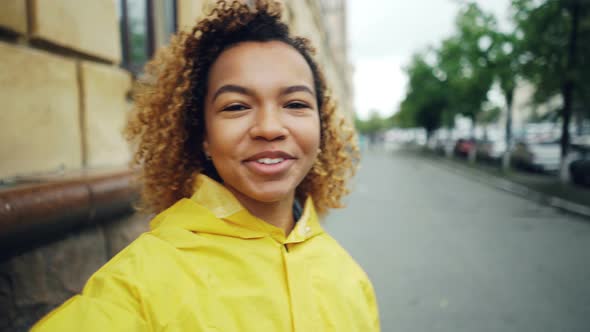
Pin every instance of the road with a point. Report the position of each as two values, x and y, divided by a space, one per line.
447 253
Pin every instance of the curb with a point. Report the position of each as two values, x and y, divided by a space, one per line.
514 188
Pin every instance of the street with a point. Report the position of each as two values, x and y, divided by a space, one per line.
447 253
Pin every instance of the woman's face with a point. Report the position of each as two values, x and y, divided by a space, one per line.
262 120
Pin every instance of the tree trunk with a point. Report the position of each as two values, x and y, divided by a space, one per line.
579 114
568 87
508 134
471 156
567 115
449 142
429 133
473 126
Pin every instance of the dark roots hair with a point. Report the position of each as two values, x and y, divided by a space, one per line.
167 125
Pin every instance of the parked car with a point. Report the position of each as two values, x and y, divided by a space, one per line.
580 172
490 149
537 156
463 147
580 167
442 146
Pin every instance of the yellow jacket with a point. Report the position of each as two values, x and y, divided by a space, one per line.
209 265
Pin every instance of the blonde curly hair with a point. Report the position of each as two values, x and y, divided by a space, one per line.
166 127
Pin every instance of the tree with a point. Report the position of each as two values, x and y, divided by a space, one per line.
372 126
554 58
503 58
463 60
426 99
403 118
490 116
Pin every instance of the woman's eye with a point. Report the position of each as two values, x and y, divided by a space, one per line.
235 107
297 105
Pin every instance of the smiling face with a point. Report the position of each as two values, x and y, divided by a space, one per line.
262 120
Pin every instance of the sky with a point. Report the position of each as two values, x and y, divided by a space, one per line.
383 35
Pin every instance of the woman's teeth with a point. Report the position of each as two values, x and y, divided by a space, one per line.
270 161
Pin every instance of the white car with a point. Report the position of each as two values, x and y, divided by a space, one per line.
537 156
491 149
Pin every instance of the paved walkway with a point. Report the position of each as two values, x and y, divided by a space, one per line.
446 252
545 188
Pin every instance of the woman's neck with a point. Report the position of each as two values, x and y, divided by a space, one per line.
279 213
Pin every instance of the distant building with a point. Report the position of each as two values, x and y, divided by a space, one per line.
335 20
524 110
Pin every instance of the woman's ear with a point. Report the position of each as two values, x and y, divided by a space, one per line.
206 148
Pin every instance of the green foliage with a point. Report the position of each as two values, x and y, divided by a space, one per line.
373 125
490 116
545 31
427 97
459 80
555 36
465 60
546 48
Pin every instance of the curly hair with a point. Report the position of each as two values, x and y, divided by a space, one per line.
166 127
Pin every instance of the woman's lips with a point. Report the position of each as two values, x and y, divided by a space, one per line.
269 163
269 169
270 154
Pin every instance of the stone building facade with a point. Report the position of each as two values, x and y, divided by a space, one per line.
66 71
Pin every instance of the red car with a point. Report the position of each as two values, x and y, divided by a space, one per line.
463 146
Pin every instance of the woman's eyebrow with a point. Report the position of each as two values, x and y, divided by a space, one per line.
245 91
232 88
297 88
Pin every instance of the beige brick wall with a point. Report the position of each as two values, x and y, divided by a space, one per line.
36 281
303 24
304 21
188 11
104 90
13 15
39 123
44 122
90 27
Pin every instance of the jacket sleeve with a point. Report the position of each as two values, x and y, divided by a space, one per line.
372 304
110 301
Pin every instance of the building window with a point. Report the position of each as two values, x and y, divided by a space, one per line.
144 25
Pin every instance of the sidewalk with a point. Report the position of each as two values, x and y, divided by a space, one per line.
543 188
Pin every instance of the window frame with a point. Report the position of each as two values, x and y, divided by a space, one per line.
151 25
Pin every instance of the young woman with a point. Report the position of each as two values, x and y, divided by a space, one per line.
241 149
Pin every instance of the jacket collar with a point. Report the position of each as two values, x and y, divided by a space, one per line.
214 209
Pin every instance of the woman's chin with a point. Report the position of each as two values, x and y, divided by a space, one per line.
264 191
270 192
270 196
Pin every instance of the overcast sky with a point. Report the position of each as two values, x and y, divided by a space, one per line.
383 35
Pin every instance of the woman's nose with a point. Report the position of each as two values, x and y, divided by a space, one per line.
269 125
